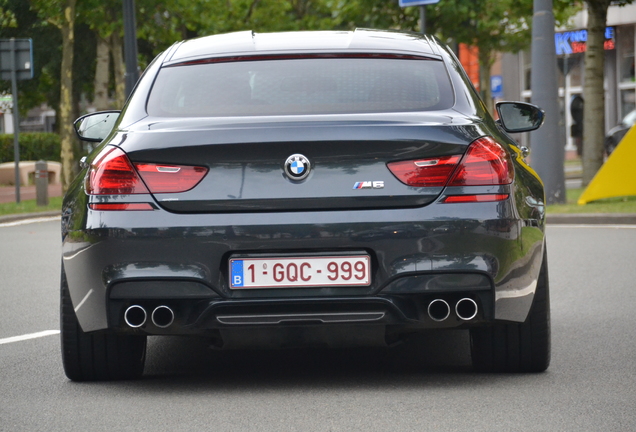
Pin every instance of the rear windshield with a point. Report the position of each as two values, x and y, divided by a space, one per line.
301 86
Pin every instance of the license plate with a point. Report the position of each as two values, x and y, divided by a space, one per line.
290 272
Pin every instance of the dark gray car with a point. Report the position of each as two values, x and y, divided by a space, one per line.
291 188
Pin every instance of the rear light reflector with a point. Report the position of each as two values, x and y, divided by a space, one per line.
485 163
430 172
129 206
474 198
111 173
170 178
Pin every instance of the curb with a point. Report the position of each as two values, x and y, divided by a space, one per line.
25 216
591 219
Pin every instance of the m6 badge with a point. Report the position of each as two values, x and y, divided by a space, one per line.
369 185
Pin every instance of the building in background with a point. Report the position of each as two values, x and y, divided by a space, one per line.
38 119
570 43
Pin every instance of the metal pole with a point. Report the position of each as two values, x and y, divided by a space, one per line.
423 19
16 120
41 183
548 148
130 46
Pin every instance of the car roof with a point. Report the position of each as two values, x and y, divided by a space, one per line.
251 43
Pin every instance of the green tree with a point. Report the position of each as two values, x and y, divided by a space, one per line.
61 14
19 21
492 26
105 19
593 89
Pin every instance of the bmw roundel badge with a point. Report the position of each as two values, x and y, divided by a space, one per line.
297 167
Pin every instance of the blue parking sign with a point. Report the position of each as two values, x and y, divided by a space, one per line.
496 86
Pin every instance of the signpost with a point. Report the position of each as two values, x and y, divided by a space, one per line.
421 4
548 148
16 62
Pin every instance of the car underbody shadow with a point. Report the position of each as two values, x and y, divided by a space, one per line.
176 358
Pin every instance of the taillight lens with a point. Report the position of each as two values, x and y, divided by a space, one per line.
428 172
112 174
485 163
170 178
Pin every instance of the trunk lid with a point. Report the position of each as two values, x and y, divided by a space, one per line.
348 158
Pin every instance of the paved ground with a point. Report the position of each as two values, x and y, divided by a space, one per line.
427 386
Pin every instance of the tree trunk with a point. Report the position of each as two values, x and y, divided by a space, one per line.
485 63
102 69
67 135
116 49
593 91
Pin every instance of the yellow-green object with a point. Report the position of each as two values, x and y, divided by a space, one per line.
617 176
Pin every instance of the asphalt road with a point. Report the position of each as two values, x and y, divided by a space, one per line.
425 385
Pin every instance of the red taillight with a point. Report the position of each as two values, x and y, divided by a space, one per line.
170 178
428 172
112 174
485 163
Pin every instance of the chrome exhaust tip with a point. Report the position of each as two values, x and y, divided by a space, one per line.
466 309
135 316
162 316
438 310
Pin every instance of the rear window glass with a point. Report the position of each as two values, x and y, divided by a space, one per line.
301 86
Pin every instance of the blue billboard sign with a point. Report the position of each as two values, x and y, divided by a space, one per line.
575 41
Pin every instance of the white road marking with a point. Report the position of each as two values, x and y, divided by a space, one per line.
591 226
30 221
29 336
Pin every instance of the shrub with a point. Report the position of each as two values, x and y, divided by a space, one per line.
33 146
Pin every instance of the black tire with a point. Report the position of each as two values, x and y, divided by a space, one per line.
517 347
98 356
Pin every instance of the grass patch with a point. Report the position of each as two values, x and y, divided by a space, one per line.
608 205
30 206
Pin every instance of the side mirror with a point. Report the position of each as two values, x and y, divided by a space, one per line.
519 117
94 127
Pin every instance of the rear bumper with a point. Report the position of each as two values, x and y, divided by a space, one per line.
117 259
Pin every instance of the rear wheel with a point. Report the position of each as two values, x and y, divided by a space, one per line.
100 356
517 347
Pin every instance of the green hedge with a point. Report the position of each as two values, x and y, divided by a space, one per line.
33 146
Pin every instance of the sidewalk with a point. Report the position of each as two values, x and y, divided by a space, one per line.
7 193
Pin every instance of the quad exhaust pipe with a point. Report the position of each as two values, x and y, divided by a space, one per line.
135 316
438 310
465 309
162 316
